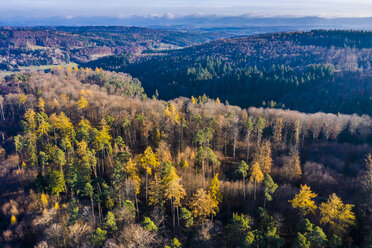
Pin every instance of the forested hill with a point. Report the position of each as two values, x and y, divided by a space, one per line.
87 160
57 45
313 71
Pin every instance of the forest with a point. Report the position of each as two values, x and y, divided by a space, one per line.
25 46
89 158
328 71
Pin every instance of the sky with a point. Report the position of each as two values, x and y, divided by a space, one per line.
127 8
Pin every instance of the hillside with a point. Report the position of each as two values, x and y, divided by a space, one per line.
88 160
57 45
313 71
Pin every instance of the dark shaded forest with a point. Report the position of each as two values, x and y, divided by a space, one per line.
327 71
87 159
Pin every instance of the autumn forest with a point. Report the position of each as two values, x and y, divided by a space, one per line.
90 157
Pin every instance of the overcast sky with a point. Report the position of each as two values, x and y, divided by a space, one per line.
124 8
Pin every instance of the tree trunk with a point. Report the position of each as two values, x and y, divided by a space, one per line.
173 214
147 178
92 203
254 190
244 187
247 147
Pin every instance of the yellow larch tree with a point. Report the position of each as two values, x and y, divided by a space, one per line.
132 174
293 168
174 191
256 176
83 102
44 200
13 220
263 157
278 129
41 104
172 113
193 100
304 201
202 205
149 161
337 214
214 189
23 99
215 192
131 171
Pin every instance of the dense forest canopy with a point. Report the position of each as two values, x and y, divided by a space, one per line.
87 159
57 45
327 71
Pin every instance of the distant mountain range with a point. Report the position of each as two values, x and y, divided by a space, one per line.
238 25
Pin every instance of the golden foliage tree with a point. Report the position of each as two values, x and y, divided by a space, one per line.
304 200
337 214
41 104
83 102
148 161
13 220
131 171
263 157
202 205
215 191
293 169
256 176
278 128
174 191
172 113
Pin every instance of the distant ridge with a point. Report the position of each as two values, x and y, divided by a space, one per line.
195 22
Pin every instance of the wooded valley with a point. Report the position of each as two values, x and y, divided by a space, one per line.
88 159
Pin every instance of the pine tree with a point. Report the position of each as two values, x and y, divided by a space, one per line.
110 222
56 183
258 128
174 243
186 217
317 238
149 225
99 237
243 170
269 188
201 156
238 231
301 242
212 159
88 191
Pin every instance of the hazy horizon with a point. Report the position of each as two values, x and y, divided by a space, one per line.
130 8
